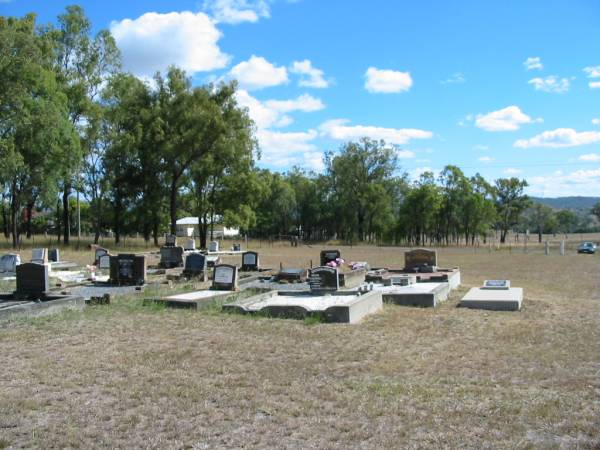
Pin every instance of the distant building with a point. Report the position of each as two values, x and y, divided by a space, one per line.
188 226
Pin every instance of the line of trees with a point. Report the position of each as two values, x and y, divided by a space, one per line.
142 154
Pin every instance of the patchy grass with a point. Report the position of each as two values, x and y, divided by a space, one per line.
129 375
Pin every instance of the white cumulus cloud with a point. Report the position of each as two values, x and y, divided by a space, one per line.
559 138
590 157
237 11
592 71
154 41
595 121
258 73
285 149
339 129
551 83
580 182
505 119
533 63
310 76
512 171
485 159
387 81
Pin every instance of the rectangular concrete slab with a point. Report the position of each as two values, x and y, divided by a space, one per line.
493 299
194 300
340 307
425 295
51 304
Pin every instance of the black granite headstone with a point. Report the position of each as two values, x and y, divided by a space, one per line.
250 262
128 269
32 280
420 260
329 255
324 278
171 257
195 266
54 255
225 277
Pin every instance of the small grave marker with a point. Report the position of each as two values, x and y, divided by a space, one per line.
32 280
39 255
213 246
420 260
9 262
225 277
250 262
329 255
189 245
324 278
496 284
170 240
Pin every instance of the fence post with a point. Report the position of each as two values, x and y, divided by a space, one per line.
547 248
562 248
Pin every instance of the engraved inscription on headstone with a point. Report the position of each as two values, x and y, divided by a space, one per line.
324 279
329 255
225 277
250 261
32 280
421 260
127 269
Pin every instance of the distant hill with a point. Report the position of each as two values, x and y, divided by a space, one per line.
568 202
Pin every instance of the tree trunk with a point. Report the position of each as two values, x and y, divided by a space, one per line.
66 214
58 221
173 205
14 216
5 219
29 210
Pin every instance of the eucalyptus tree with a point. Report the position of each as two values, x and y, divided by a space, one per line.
511 202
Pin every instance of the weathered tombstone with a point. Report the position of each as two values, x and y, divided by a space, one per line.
39 255
237 247
250 262
9 262
170 240
329 255
171 257
98 253
225 277
189 245
104 263
496 284
128 269
54 255
195 266
420 260
213 246
32 280
324 278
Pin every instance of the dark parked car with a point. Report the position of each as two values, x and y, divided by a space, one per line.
587 247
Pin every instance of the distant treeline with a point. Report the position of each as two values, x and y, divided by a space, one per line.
140 155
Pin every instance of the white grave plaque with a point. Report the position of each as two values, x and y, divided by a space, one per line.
496 284
223 275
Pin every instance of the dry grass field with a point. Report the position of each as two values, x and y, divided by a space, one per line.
126 375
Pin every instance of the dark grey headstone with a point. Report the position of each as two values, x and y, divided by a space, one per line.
171 257
329 255
128 269
54 255
225 277
324 278
195 266
420 260
32 280
250 261
170 240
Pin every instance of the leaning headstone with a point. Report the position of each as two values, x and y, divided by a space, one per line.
324 278
189 245
32 280
54 255
9 262
98 253
171 257
225 277
420 260
195 266
39 255
250 262
329 255
213 246
170 240
128 269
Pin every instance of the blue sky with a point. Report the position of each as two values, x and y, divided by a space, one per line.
503 88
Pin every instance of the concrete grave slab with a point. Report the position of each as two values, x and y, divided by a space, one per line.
509 299
195 300
340 307
425 295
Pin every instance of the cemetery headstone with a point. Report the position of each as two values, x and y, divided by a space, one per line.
250 262
128 269
32 280
170 240
54 255
9 262
39 255
496 284
189 245
324 278
213 246
225 277
171 257
98 253
195 266
237 247
329 255
291 274
420 260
